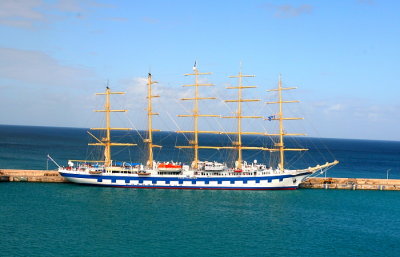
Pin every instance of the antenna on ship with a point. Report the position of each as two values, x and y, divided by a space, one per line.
194 144
106 141
150 113
239 116
280 146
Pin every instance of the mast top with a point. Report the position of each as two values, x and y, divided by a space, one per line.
239 117
280 146
195 114
106 141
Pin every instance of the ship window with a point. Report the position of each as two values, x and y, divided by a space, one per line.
244 181
154 182
167 182
193 182
219 182
232 182
180 182
207 182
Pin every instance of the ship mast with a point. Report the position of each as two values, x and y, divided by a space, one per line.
195 114
150 114
280 145
106 141
238 144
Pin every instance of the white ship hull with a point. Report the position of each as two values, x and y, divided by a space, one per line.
239 182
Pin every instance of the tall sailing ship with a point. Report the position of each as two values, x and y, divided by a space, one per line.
199 174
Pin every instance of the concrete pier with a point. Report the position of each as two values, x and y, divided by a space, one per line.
317 183
351 183
31 175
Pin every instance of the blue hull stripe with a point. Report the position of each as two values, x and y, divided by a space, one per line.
191 187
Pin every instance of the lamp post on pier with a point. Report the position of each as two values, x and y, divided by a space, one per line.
387 174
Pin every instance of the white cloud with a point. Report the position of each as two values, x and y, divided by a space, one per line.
335 107
69 6
42 91
150 20
24 9
375 113
117 19
167 105
38 68
369 2
351 118
289 11
30 13
21 13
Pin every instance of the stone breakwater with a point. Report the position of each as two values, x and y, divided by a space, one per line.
351 183
315 183
31 176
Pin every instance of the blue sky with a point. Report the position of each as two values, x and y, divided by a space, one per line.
342 55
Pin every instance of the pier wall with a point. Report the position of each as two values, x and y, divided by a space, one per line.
315 183
351 183
31 176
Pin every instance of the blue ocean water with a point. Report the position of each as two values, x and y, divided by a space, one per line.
44 219
73 220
